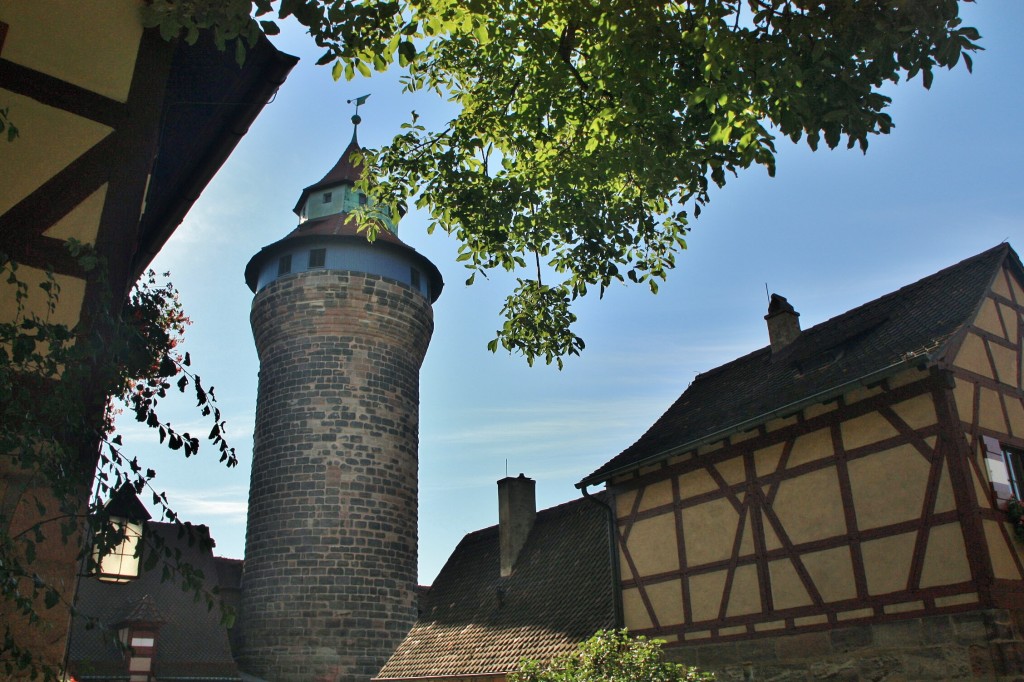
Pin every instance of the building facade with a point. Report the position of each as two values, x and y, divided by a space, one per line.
834 504
108 156
151 612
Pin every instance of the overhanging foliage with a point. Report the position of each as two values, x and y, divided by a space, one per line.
589 133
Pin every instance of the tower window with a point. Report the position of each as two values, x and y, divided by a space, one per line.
362 199
284 265
415 275
327 197
317 258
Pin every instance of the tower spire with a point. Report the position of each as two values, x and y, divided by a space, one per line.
356 118
335 194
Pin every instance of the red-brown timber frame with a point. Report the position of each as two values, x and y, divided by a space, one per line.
951 451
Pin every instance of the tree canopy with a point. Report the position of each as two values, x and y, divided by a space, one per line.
612 656
589 133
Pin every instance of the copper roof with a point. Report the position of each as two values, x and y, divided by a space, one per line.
560 593
909 327
344 172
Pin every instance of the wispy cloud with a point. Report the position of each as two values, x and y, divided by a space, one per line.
569 420
228 504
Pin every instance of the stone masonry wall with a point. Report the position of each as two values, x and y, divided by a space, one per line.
330 566
55 563
975 645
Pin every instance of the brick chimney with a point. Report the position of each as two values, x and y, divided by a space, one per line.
517 508
783 323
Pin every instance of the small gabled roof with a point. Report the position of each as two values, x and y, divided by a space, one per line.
475 622
142 610
343 172
125 503
909 327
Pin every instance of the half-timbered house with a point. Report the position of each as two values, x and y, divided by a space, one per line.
119 132
834 504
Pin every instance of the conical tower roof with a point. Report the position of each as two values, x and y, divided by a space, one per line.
344 172
326 210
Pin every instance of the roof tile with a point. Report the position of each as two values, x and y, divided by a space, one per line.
559 593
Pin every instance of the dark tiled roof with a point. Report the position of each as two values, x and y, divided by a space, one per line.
142 610
911 325
344 171
209 104
229 573
192 644
229 579
475 622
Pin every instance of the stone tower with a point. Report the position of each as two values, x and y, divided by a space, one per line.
341 328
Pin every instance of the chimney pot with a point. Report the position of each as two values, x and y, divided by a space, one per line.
783 323
517 509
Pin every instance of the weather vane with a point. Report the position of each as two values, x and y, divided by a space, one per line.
358 100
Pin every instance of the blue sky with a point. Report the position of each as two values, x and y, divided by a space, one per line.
832 230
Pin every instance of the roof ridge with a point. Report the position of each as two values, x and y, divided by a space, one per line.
906 288
876 336
852 311
547 513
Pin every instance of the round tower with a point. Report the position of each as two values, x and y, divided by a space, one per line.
341 328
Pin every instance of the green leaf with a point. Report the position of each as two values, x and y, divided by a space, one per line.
406 53
480 32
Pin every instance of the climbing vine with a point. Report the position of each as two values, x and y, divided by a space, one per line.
55 441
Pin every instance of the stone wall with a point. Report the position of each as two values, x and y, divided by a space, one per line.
330 567
980 645
55 563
